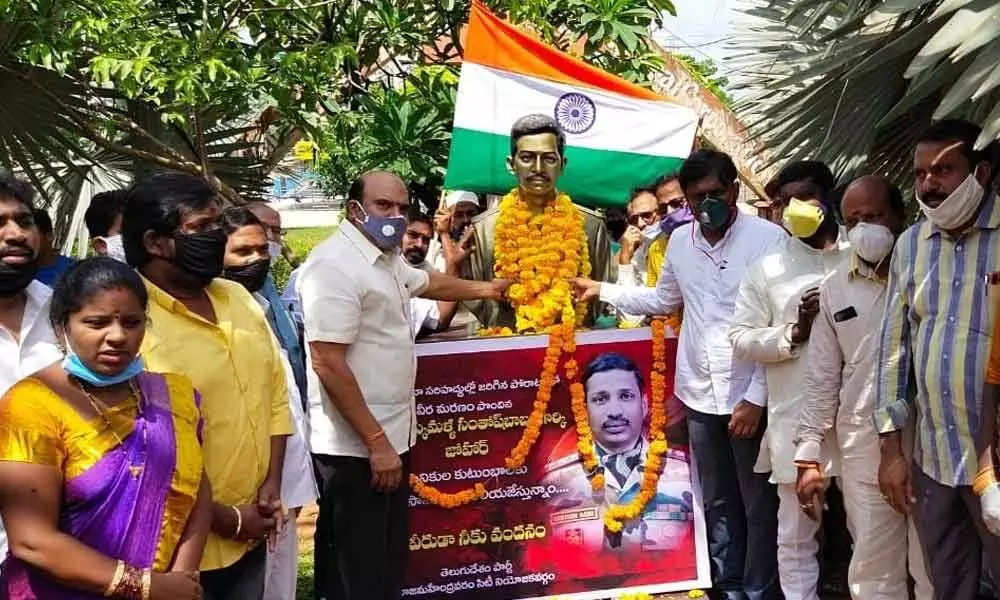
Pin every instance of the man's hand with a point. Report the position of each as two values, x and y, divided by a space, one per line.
811 488
254 524
745 419
442 220
498 289
630 242
894 482
387 468
269 505
586 289
455 253
990 504
808 309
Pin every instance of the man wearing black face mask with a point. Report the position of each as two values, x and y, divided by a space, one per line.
355 289
27 342
213 331
725 396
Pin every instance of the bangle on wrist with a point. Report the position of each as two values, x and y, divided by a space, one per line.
807 464
147 583
239 522
129 586
375 437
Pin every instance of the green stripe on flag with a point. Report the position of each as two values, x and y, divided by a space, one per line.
478 163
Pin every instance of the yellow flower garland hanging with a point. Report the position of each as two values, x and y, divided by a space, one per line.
540 253
616 515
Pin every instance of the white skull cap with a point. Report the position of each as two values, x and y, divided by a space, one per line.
457 197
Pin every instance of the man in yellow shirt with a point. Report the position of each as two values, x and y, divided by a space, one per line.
215 333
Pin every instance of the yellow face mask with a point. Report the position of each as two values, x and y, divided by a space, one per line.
802 219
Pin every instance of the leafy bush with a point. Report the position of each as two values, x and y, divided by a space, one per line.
301 242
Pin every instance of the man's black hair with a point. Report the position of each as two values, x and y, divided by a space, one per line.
103 210
16 189
611 361
534 125
236 217
417 216
663 180
956 130
707 163
636 192
813 171
157 203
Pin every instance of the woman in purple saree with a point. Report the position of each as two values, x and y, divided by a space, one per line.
101 477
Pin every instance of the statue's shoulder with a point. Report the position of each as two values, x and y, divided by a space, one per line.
590 216
487 216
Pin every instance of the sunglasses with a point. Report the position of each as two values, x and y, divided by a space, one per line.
644 216
663 209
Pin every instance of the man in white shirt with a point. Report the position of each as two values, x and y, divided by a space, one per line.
452 225
724 395
838 398
643 227
27 342
777 301
355 289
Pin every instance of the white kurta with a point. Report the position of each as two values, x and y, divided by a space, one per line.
766 310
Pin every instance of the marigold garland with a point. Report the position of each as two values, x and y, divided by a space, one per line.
540 253
444 500
616 515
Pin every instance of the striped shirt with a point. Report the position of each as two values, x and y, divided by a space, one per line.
937 331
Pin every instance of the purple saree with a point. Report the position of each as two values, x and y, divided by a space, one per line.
133 502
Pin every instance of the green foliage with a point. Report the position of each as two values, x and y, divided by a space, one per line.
854 83
300 242
706 72
403 97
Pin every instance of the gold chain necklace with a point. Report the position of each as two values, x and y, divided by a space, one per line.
102 410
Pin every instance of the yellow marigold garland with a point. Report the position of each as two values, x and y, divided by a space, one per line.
616 515
439 498
540 253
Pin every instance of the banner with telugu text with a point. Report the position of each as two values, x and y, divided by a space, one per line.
539 532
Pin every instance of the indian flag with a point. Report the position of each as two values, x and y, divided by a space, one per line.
618 135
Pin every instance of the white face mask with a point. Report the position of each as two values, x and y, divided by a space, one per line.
114 247
959 207
871 242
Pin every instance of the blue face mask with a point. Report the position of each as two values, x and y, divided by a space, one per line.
387 232
75 367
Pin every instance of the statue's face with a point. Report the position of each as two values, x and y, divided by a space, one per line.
537 163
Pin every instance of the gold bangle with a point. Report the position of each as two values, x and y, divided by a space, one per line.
116 579
376 436
239 522
147 583
984 479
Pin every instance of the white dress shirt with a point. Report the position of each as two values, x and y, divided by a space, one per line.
354 294
705 279
35 348
839 385
766 309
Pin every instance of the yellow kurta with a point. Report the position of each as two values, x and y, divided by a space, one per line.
236 365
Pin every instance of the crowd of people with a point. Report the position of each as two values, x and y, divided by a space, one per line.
167 411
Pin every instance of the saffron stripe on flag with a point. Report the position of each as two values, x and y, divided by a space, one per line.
492 42
596 177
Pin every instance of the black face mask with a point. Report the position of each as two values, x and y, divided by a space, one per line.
200 254
15 278
251 276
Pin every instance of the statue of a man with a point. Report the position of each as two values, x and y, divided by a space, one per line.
537 158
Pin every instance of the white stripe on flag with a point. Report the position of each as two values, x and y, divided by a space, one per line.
490 100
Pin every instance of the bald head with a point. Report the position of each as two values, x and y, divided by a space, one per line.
379 192
873 199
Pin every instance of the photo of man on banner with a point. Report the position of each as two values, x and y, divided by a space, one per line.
618 410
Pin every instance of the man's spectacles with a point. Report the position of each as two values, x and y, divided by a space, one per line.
666 207
644 216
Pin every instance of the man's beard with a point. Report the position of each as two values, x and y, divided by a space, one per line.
414 256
